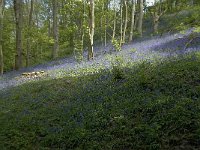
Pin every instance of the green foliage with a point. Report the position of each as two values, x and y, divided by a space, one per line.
116 44
197 29
181 19
155 107
133 50
117 68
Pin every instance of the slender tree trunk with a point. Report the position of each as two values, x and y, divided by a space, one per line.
114 22
155 22
18 20
28 39
126 21
55 29
49 21
105 27
1 39
121 23
91 31
132 20
102 29
141 14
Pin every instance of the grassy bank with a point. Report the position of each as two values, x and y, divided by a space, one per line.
147 106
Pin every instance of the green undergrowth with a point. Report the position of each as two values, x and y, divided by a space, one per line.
149 106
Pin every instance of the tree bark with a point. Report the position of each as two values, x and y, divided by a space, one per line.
132 20
156 18
114 21
28 39
1 38
105 26
141 14
55 29
91 31
126 21
18 20
121 23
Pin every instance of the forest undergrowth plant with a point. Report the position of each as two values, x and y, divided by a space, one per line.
133 50
118 68
116 44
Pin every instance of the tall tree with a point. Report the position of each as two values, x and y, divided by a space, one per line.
125 21
132 21
140 19
1 39
157 11
91 30
18 19
29 30
121 23
55 29
114 21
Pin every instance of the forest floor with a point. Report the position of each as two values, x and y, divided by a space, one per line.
146 49
146 96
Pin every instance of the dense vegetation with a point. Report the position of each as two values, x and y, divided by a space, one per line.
138 87
145 106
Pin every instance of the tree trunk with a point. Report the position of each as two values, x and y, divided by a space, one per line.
91 31
105 27
1 39
18 20
55 29
132 21
49 22
156 18
28 39
126 21
141 14
114 22
121 23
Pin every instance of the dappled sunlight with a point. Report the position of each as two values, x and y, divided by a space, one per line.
143 51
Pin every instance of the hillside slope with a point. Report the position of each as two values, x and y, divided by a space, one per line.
148 106
144 97
142 50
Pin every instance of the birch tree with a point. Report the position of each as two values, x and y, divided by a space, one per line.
132 21
121 23
125 21
1 39
91 31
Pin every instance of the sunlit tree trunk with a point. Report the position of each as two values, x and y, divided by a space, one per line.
91 31
132 21
1 39
125 21
18 20
141 14
55 29
121 23
114 21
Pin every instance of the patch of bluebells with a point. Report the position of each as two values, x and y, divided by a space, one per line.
153 49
